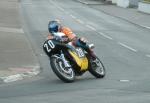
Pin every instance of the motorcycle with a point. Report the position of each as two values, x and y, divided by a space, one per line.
68 61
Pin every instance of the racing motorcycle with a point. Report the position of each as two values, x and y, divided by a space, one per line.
68 61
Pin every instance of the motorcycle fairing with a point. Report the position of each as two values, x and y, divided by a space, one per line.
81 62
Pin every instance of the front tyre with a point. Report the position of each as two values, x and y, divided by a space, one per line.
97 68
65 74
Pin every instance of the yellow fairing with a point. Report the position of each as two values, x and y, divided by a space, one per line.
82 62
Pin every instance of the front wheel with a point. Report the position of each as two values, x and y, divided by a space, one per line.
97 68
63 73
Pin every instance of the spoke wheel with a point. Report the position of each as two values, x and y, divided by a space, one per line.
97 68
63 73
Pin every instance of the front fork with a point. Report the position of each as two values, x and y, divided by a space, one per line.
66 63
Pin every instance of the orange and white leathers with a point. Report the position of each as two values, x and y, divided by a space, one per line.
73 38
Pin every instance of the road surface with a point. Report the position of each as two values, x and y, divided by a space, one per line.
122 46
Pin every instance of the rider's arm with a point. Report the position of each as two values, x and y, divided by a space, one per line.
68 32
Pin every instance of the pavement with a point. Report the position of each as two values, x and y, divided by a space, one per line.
92 2
131 15
17 58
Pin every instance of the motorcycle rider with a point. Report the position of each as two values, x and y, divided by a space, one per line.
55 26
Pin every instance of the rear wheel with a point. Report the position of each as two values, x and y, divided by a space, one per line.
97 68
63 73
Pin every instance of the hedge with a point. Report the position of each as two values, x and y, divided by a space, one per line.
147 1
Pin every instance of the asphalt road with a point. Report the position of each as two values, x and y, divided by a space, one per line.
123 48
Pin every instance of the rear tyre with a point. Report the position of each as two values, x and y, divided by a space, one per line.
97 69
65 74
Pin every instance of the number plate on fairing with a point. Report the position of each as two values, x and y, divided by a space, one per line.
49 45
80 52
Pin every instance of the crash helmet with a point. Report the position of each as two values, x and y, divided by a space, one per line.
54 26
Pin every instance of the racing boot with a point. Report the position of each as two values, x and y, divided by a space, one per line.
95 61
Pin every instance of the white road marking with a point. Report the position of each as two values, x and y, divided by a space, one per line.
61 8
83 2
13 30
128 47
28 71
73 16
146 27
106 36
148 55
91 27
13 78
79 21
124 80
